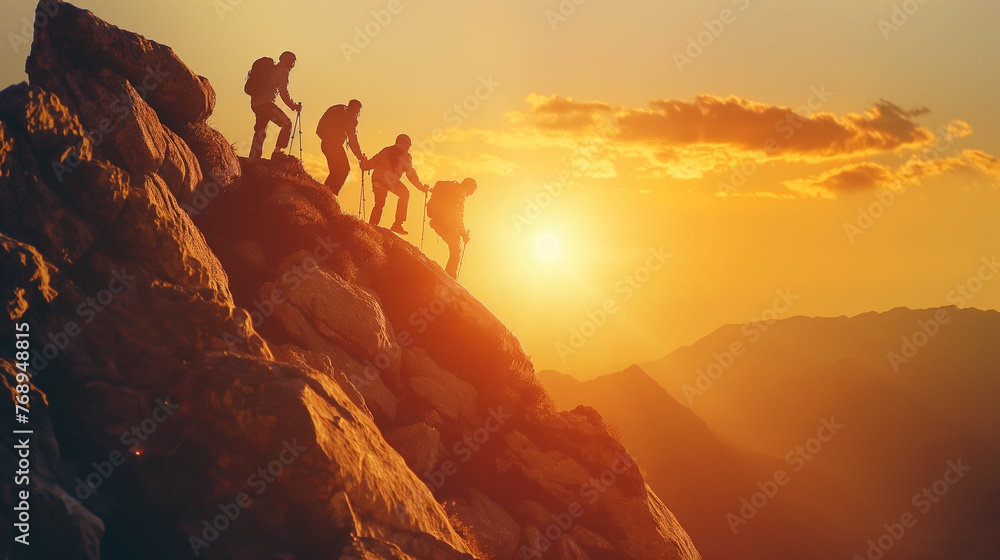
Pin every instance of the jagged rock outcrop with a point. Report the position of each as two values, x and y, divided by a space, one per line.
271 378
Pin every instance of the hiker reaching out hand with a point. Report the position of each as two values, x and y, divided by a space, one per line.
390 164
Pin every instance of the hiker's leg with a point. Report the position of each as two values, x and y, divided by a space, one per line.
404 201
281 119
259 131
453 239
380 196
336 160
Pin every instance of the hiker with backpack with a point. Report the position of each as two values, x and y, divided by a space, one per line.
390 164
446 210
340 124
265 82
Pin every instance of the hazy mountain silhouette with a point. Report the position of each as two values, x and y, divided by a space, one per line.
955 373
903 422
704 478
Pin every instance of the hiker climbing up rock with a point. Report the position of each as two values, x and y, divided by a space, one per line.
390 164
265 82
446 210
340 124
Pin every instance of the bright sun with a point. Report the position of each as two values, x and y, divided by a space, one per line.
548 248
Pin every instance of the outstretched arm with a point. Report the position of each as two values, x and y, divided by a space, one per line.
411 174
352 143
370 163
283 91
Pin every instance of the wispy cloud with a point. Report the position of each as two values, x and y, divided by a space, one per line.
562 114
674 139
777 131
868 176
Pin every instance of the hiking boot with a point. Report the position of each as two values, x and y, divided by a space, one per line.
398 228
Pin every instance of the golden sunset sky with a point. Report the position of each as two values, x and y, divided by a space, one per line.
841 153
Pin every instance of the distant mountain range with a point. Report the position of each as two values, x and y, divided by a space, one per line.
857 416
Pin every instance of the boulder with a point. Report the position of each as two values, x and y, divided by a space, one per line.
418 444
52 130
158 235
440 389
322 363
340 313
341 452
370 383
32 213
565 548
220 166
64 152
532 512
126 131
28 280
75 38
496 533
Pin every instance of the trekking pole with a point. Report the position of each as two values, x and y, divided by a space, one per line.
295 127
423 223
461 257
361 196
364 202
298 118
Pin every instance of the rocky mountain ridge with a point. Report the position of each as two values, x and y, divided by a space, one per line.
227 366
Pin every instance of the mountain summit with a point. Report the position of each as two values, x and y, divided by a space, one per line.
225 365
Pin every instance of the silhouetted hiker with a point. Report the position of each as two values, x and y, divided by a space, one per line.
446 209
340 123
265 81
390 164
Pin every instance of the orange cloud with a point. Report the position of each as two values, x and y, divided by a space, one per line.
561 114
868 176
984 162
685 140
710 134
774 130
850 178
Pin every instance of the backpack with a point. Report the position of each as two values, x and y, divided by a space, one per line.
444 199
333 123
259 76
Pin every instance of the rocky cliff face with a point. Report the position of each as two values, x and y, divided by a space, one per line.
227 366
